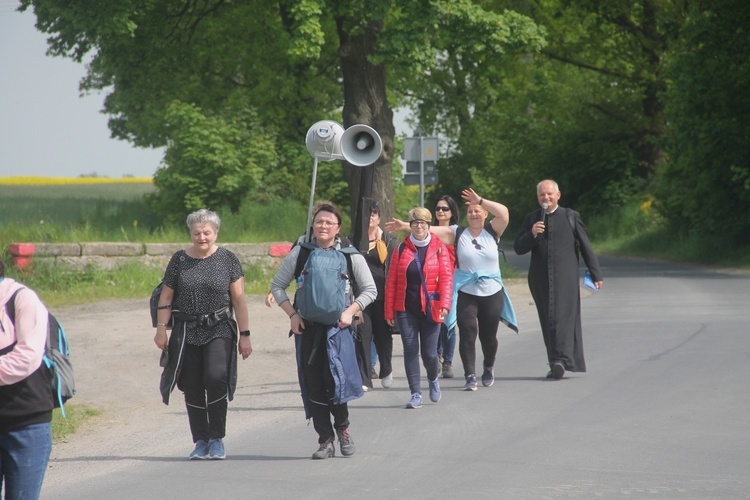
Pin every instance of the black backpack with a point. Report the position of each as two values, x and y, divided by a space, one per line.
56 356
154 306
154 302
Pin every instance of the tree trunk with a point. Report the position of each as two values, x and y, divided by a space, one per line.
365 101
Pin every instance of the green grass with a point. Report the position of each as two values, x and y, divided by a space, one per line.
75 416
118 212
59 287
636 232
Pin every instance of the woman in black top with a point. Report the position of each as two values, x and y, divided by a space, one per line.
204 288
374 327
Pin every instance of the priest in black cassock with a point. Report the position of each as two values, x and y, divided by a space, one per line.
556 236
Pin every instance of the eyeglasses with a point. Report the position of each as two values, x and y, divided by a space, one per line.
415 223
442 209
476 245
325 223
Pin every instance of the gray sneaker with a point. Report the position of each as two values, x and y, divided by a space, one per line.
415 401
447 370
435 391
471 382
325 450
345 442
216 449
200 452
488 377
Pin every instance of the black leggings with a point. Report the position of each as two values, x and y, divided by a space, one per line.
478 316
205 380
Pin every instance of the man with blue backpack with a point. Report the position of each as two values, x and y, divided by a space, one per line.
26 392
333 286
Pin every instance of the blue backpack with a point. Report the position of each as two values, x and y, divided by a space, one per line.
56 356
321 277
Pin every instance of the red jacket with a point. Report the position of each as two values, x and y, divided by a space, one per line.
438 276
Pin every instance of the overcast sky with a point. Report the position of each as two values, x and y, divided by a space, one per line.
46 128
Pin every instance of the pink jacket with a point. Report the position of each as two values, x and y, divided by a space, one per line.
29 333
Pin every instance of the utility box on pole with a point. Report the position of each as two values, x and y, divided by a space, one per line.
421 155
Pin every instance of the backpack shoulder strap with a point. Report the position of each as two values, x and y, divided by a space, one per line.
459 231
304 253
10 306
350 269
488 227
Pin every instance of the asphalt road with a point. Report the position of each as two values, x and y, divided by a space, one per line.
663 412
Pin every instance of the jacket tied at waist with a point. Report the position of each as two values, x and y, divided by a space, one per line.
208 320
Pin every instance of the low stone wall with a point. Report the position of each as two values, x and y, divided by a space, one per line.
103 255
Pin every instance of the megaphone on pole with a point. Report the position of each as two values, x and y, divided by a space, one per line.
360 145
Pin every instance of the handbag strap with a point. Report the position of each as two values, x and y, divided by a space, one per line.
421 276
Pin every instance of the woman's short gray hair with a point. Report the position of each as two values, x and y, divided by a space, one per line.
204 216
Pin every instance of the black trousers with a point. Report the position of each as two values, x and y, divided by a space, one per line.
320 384
478 316
375 328
205 380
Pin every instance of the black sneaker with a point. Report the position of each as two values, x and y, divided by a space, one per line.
558 370
488 377
345 442
326 450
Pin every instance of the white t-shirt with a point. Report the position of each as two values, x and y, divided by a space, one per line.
481 256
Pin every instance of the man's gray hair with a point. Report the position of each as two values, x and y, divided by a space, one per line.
204 216
547 181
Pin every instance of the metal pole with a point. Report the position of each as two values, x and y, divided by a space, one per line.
312 198
421 171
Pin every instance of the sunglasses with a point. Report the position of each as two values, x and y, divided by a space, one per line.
476 245
442 209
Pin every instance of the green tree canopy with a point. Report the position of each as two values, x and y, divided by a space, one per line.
293 62
705 188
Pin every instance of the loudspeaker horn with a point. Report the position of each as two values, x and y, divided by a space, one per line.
361 145
323 140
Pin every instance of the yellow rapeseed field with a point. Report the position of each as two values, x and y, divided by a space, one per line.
59 181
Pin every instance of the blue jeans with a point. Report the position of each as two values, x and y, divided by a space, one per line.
24 454
416 330
447 344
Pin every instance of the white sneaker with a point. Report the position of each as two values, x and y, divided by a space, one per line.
386 382
365 388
